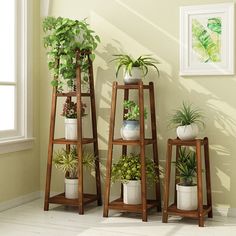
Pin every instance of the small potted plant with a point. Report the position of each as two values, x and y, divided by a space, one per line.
187 120
186 167
131 127
70 114
68 163
128 171
63 36
135 69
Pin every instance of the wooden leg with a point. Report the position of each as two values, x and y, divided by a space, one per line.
142 154
110 151
124 147
155 149
50 149
176 180
167 182
95 135
79 143
208 176
199 184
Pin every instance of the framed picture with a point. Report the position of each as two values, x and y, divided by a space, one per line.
207 39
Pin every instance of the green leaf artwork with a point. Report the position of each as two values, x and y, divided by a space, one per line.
206 39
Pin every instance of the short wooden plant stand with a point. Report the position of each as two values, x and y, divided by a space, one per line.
82 197
142 142
202 210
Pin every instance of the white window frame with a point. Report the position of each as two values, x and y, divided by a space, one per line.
22 138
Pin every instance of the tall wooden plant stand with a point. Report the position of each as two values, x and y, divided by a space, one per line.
83 198
142 142
202 210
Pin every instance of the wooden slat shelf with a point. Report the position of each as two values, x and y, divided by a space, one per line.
67 141
121 141
72 94
119 205
185 142
132 86
60 199
173 210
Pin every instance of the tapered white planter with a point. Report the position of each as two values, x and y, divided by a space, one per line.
187 132
70 128
135 76
71 188
132 192
186 197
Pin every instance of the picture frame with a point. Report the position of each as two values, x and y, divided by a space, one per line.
207 39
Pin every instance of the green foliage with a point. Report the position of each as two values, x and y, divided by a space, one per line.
186 166
63 37
186 115
143 62
129 168
68 161
206 43
133 111
214 24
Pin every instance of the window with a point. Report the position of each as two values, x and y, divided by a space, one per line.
14 77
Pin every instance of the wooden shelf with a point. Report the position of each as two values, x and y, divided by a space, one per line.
60 199
186 142
72 94
68 141
173 210
121 141
132 86
119 205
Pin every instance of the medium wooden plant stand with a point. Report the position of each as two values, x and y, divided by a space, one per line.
142 142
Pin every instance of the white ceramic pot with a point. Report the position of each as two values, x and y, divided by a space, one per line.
186 197
130 130
70 128
132 192
135 77
71 188
187 132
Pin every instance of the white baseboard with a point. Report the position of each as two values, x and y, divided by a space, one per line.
19 201
231 212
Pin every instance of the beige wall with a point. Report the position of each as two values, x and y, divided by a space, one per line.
152 27
19 171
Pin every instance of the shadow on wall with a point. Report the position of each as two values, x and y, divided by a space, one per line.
170 91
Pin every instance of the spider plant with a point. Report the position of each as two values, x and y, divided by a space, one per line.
186 166
143 62
68 161
186 115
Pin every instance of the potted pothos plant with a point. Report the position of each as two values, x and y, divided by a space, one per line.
70 113
68 163
135 69
187 120
63 36
186 166
128 170
131 126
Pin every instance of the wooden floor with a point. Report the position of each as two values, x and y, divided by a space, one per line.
31 220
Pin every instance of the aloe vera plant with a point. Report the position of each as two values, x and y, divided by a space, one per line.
186 166
206 41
